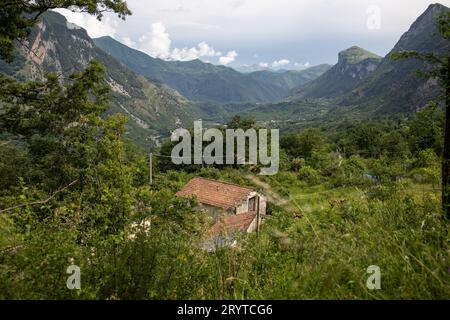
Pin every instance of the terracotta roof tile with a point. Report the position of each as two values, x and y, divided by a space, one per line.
233 223
214 193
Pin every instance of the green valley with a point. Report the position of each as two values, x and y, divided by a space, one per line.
89 181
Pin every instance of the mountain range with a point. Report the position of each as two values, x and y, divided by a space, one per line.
361 78
200 81
395 86
160 95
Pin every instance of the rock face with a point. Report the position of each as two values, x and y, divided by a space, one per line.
58 46
357 63
354 64
395 85
423 34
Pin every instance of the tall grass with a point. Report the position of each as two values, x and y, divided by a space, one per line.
323 257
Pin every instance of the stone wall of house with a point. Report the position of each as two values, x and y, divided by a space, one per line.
262 205
243 207
253 226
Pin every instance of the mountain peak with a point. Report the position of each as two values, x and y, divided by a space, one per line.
105 38
423 33
435 6
430 15
355 54
354 64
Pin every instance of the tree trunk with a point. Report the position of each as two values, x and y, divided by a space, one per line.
446 156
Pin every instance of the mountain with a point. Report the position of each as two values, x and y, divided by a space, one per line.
195 79
354 64
363 86
57 46
362 79
290 79
251 68
395 85
200 81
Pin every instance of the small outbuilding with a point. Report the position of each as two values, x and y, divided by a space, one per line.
234 208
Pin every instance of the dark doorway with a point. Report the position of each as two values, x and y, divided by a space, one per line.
252 204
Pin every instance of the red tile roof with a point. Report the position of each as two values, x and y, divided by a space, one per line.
214 193
233 223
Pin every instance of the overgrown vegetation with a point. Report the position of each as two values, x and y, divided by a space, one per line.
74 191
370 205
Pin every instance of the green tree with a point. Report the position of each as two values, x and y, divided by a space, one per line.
69 144
426 130
304 144
58 122
365 139
441 71
237 122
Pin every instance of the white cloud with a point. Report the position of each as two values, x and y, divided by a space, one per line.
263 64
184 54
206 51
235 3
228 58
202 50
95 28
280 63
156 43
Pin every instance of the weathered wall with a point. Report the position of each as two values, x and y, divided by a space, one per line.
253 226
262 205
243 207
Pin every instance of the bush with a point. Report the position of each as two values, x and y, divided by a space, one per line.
426 158
297 164
350 173
309 175
426 176
210 173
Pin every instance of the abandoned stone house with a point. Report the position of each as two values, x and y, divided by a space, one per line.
234 208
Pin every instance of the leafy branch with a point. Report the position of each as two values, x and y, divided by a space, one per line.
54 194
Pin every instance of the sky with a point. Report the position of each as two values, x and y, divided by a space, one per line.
277 34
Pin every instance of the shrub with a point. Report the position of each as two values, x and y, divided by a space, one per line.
309 175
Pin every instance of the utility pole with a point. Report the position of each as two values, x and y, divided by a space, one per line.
258 217
151 168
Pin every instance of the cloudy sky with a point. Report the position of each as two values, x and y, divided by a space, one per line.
272 33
